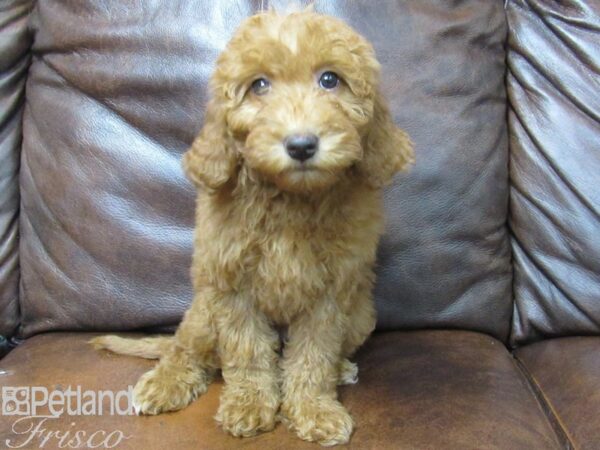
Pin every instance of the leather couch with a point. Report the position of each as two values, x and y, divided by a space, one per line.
488 289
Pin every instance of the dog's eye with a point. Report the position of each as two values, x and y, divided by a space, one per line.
329 80
260 86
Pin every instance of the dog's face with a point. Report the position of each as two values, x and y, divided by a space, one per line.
295 100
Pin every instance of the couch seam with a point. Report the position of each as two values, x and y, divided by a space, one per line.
551 414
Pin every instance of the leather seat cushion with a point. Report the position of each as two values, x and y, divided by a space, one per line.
567 373
421 389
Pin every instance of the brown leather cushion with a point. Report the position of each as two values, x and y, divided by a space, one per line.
567 372
554 124
423 389
14 62
115 97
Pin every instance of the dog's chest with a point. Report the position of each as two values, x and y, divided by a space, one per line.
286 256
293 269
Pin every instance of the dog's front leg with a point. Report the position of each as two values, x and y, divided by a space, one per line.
310 374
247 348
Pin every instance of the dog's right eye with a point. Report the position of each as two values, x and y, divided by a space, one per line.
260 86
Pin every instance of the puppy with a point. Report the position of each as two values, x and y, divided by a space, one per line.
296 147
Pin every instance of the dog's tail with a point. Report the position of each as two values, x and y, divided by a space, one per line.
150 347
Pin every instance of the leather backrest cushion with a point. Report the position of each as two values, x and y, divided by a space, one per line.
554 121
115 97
15 42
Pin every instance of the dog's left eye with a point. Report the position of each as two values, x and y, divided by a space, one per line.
260 86
329 80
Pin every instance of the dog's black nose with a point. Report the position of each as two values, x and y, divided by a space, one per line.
301 146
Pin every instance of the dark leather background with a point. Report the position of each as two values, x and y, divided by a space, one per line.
115 97
14 61
554 90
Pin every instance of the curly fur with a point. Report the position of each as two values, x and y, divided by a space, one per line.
280 243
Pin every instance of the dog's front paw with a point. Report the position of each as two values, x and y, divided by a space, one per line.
246 411
165 389
322 420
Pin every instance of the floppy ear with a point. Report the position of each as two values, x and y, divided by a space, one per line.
211 160
387 148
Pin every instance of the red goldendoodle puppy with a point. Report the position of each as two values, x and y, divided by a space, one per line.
295 149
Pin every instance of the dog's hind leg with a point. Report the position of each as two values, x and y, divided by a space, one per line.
361 322
185 369
348 372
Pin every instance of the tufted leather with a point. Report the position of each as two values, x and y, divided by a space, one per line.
424 389
554 87
115 98
14 61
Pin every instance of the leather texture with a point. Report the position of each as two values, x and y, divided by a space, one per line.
423 389
14 62
115 98
567 373
554 121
